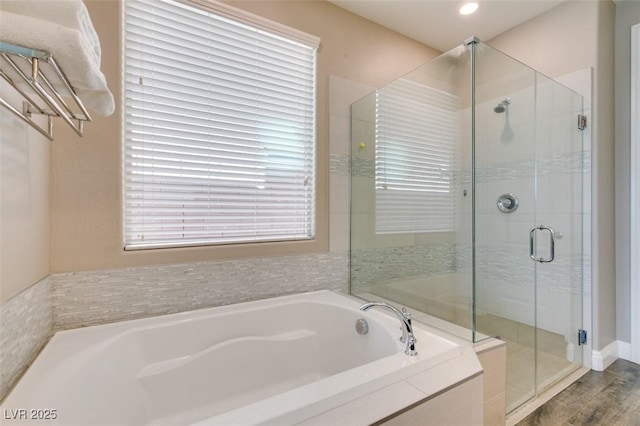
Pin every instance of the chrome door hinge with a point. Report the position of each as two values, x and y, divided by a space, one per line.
582 121
582 337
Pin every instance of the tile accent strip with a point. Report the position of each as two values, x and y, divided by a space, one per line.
96 297
25 326
363 167
379 266
339 164
561 164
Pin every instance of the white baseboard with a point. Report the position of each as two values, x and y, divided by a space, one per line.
601 359
624 350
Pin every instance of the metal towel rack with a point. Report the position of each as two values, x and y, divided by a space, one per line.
36 76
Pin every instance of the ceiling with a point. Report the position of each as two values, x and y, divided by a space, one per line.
438 24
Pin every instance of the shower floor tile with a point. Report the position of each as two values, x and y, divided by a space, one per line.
521 372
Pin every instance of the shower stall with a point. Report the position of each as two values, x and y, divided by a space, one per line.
468 183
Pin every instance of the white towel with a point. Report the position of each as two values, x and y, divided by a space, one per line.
68 13
73 49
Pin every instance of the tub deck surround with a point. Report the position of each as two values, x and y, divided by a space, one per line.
280 361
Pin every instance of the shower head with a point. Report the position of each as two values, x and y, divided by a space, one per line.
507 132
502 106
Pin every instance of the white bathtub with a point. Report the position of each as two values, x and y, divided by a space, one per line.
278 361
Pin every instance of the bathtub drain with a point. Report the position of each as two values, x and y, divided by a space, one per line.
362 326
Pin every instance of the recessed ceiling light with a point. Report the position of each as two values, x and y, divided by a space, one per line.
468 8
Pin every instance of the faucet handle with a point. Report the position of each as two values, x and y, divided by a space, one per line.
406 313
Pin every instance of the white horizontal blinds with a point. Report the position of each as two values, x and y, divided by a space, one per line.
219 132
415 137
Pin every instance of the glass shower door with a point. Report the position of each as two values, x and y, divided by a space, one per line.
559 230
528 220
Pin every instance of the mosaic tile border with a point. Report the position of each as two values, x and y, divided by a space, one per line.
25 326
561 164
339 164
96 297
567 274
378 266
363 167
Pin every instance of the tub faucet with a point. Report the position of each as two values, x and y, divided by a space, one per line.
407 329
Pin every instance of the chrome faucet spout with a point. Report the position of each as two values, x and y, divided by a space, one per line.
407 328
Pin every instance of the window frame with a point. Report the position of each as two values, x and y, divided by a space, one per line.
274 28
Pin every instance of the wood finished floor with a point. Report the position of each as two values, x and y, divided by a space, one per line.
608 398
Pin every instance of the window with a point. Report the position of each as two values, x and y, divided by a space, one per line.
415 138
219 128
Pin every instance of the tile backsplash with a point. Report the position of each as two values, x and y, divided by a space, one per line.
96 297
25 326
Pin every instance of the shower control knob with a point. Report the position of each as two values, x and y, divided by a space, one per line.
507 203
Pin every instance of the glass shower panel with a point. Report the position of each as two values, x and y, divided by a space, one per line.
505 141
411 193
559 205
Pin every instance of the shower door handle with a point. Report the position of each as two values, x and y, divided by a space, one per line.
532 244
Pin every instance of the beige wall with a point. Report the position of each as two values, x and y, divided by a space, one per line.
627 15
571 37
24 201
603 229
86 172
